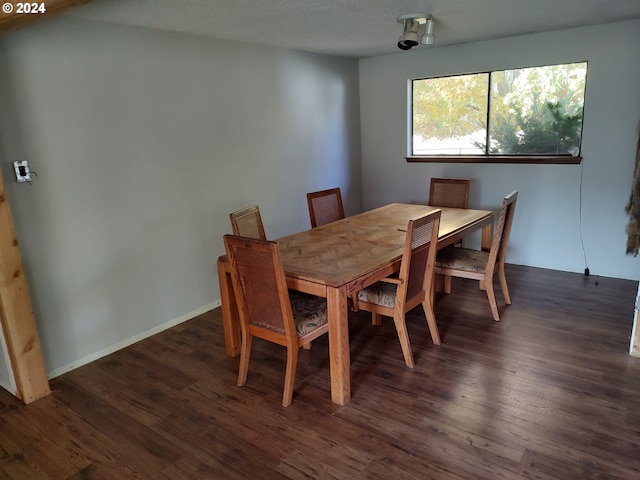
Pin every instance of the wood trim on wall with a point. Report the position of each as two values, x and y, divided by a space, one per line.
9 21
16 315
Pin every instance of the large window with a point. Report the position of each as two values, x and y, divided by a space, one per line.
521 115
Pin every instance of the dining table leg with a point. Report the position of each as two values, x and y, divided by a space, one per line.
339 361
487 237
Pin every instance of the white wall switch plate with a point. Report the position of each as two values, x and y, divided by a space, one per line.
22 171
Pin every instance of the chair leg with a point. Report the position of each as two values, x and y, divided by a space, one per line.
355 306
376 319
431 321
290 375
503 284
245 353
491 295
403 336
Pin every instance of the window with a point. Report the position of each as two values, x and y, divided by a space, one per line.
526 115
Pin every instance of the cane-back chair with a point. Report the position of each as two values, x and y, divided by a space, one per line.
267 309
480 265
325 206
395 296
449 192
248 223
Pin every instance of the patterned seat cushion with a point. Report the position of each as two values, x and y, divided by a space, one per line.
466 259
380 293
309 311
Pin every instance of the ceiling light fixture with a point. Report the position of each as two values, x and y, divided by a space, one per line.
417 29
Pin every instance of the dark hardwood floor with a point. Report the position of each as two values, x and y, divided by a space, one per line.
550 392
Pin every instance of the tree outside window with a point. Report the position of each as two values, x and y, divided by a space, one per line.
519 112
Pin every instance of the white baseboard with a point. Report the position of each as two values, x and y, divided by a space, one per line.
9 387
131 340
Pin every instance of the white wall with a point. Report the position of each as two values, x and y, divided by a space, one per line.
143 142
546 226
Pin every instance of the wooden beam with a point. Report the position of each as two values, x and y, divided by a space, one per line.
16 316
15 18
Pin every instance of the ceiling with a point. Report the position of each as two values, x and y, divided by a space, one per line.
357 28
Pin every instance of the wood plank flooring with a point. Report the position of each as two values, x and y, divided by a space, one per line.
550 392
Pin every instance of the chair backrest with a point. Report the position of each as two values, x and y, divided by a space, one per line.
248 223
260 285
325 206
418 257
449 192
503 229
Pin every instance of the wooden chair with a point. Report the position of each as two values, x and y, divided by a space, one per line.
394 297
449 192
479 265
267 309
248 223
454 193
325 206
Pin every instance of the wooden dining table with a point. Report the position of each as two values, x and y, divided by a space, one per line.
338 259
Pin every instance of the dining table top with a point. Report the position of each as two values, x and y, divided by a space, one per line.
339 252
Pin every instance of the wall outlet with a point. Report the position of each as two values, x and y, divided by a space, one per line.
21 168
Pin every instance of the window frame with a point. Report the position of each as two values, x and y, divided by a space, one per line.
539 159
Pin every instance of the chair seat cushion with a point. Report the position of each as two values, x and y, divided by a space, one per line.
309 311
380 293
466 259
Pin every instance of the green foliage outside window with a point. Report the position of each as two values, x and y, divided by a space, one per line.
529 111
